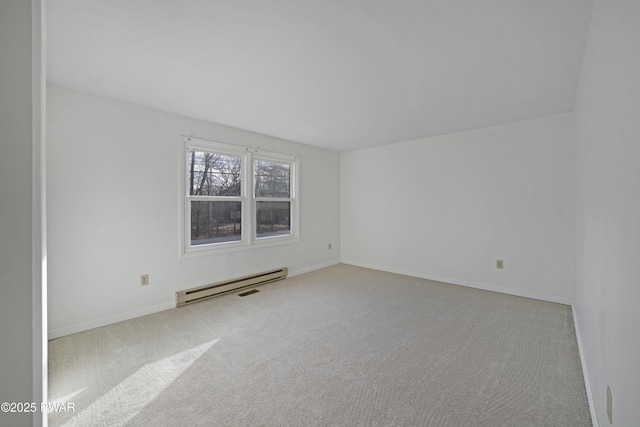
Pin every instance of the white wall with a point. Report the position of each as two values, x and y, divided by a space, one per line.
21 335
447 207
113 191
607 294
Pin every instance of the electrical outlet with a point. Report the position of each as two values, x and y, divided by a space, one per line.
144 280
609 405
499 264
329 246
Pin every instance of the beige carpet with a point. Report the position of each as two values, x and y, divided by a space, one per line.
342 346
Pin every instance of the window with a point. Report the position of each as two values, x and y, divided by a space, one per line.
273 197
238 197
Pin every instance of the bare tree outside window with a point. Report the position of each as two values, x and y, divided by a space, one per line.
215 175
272 179
272 192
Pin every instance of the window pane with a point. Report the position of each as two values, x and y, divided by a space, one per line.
215 222
212 174
273 218
271 179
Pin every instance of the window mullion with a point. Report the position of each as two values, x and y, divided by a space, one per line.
249 206
215 198
274 199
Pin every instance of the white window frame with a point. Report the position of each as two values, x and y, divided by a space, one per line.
249 239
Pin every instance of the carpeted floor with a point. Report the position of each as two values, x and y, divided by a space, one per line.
341 346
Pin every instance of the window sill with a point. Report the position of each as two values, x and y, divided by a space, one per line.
264 242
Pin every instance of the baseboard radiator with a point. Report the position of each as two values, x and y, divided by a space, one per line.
192 295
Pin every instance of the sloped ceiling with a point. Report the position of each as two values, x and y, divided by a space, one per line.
338 74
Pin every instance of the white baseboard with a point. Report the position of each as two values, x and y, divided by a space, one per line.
585 373
493 288
85 326
104 321
313 268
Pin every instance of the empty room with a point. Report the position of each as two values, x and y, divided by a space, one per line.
336 213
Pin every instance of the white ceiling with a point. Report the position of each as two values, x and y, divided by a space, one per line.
339 74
